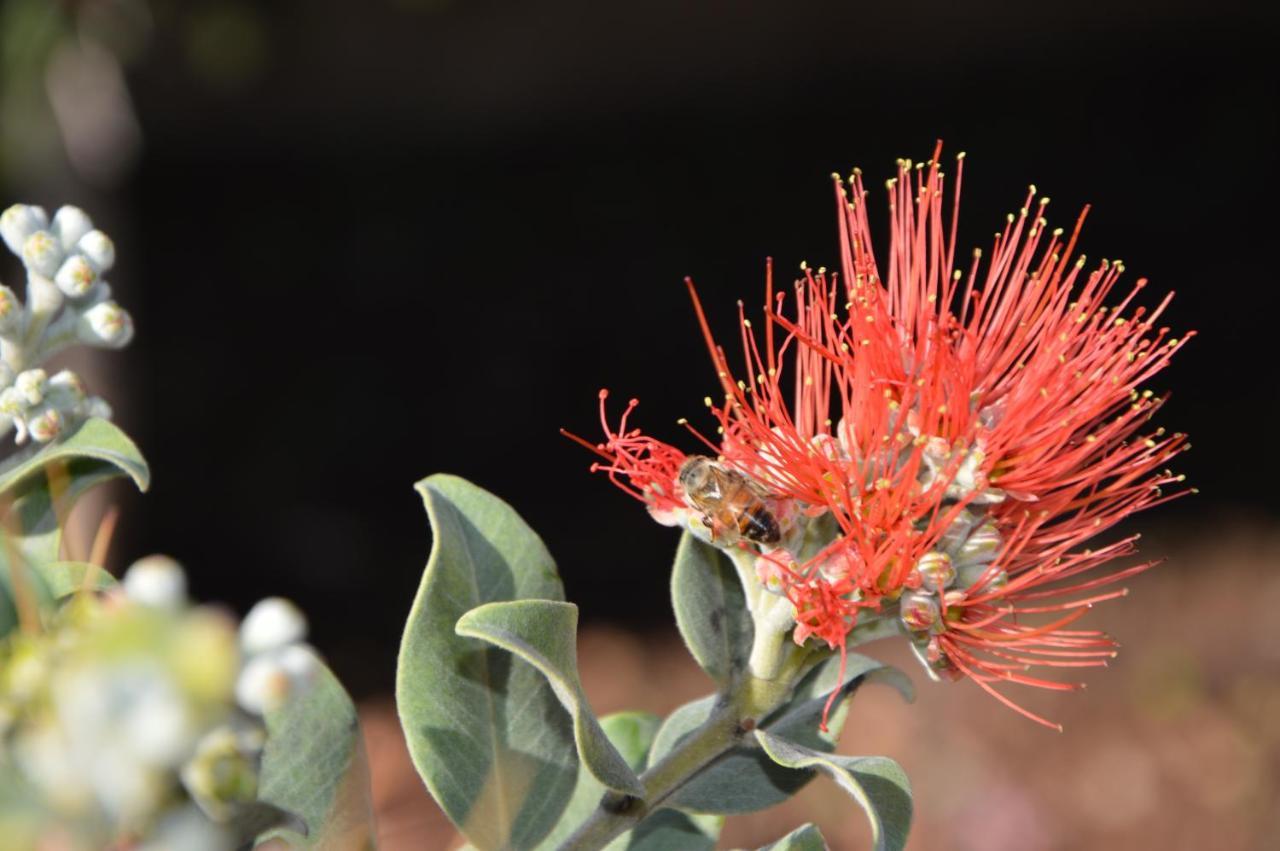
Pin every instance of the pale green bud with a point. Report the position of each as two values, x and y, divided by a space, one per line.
42 254
981 547
971 574
271 624
918 611
221 776
157 581
106 324
99 248
936 571
76 276
19 222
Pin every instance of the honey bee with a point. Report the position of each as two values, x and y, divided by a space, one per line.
732 505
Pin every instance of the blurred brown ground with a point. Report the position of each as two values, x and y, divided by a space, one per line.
1175 746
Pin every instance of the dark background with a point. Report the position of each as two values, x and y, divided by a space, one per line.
366 242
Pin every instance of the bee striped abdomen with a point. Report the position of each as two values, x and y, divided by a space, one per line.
758 524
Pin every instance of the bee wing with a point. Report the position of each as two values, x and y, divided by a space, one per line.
722 482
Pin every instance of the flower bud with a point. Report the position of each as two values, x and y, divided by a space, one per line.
45 424
271 678
30 385
971 575
69 225
981 547
19 222
271 624
936 571
918 611
11 402
10 312
106 324
157 581
41 254
67 384
76 276
99 248
222 774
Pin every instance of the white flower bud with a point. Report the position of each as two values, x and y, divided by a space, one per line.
262 685
76 276
45 424
106 324
10 312
272 623
301 663
69 225
19 222
157 581
31 384
11 402
99 248
269 679
42 254
6 374
68 383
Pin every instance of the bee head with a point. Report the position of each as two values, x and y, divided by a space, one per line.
694 473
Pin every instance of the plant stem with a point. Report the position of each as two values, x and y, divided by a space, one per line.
718 734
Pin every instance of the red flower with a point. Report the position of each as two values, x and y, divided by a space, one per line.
967 431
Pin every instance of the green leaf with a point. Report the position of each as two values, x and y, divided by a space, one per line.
314 768
745 780
666 830
38 488
632 734
64 578
484 728
877 783
711 610
95 438
544 633
806 838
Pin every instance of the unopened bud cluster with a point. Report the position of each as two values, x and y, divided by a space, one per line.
137 718
67 301
962 563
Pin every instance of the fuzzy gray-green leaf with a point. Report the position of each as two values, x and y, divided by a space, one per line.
544 633
39 488
877 783
484 728
745 780
806 838
711 610
314 768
